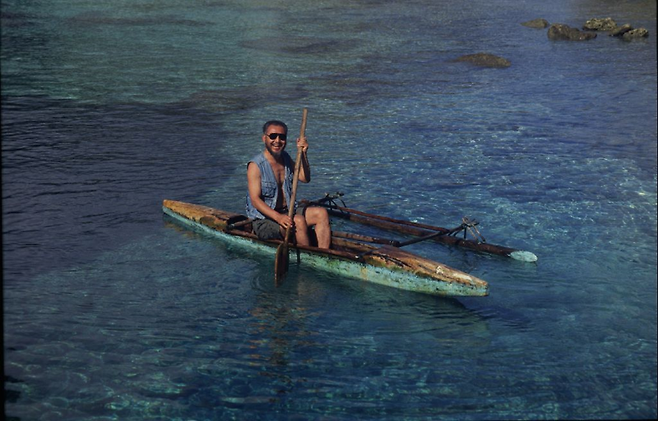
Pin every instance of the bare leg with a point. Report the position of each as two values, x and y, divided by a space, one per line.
301 231
319 217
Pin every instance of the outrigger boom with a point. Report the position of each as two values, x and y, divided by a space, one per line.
424 231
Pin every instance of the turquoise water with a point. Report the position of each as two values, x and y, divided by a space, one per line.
113 311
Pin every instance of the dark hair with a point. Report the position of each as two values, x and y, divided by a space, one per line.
274 123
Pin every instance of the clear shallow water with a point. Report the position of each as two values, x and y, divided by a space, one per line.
113 312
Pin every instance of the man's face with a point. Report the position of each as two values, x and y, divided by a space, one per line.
278 144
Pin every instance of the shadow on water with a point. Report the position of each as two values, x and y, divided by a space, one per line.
315 287
384 301
291 336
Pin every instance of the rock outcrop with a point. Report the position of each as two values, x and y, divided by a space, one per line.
562 32
626 31
536 23
598 24
620 30
635 34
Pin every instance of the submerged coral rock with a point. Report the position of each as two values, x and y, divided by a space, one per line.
536 23
636 33
621 30
560 31
597 24
485 60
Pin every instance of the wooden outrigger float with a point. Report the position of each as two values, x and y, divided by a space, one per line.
424 231
383 264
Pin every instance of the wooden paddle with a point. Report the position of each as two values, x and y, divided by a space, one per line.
281 257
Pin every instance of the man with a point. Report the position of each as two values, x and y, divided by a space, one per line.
269 174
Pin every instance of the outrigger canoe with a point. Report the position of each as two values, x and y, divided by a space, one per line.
383 264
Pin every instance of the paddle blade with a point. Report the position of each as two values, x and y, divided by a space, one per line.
280 263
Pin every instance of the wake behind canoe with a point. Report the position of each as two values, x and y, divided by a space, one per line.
384 265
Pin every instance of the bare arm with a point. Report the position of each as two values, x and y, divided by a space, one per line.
305 168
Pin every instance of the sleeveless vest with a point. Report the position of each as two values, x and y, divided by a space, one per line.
268 185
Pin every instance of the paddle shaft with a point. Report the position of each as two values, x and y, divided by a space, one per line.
281 257
295 178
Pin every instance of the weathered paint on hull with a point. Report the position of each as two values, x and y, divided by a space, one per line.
354 269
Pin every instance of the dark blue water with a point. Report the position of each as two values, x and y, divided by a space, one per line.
112 311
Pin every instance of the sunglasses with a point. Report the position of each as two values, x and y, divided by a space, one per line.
281 136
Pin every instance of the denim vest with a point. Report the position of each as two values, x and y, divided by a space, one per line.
268 185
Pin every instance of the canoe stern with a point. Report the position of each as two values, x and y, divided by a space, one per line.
440 278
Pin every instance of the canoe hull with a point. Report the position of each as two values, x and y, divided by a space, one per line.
385 265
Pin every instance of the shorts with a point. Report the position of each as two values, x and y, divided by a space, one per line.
267 229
